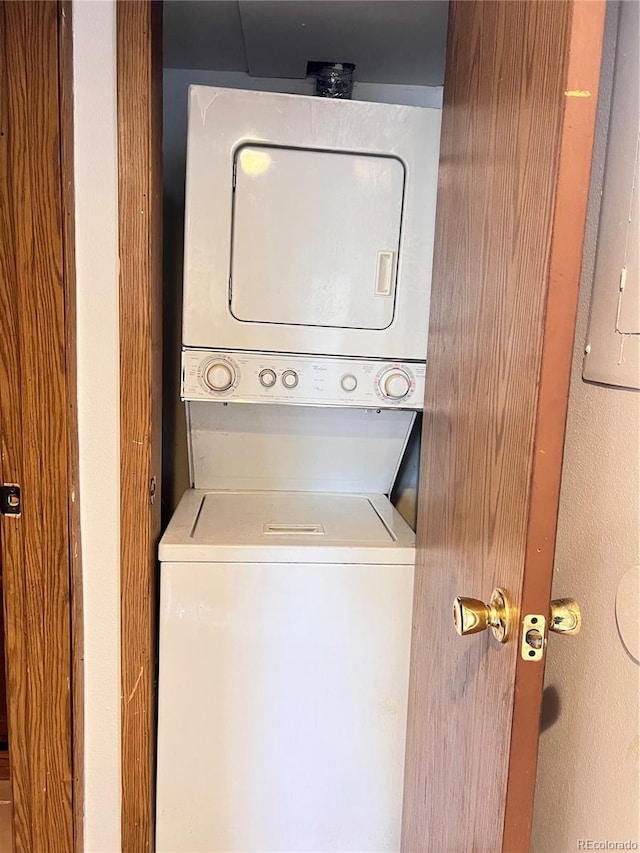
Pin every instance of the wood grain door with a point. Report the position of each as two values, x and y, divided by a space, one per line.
36 416
517 133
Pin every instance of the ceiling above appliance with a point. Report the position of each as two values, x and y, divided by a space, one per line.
390 41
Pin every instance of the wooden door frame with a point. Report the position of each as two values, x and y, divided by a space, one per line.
139 99
563 283
65 18
38 425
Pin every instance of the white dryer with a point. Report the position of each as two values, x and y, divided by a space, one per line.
285 626
309 224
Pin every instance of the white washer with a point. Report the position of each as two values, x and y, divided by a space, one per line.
285 624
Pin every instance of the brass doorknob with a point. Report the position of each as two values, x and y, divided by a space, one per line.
470 615
565 616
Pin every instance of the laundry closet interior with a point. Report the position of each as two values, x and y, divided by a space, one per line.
297 275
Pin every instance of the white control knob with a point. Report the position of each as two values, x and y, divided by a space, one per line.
289 379
267 378
219 376
349 382
395 384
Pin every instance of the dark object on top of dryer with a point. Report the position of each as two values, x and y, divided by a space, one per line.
333 79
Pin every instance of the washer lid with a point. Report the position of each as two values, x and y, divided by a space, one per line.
287 448
286 526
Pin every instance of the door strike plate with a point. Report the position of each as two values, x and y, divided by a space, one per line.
10 503
533 637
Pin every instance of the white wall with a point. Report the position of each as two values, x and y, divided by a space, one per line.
587 786
96 216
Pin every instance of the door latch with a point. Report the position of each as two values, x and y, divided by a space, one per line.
564 618
10 503
533 637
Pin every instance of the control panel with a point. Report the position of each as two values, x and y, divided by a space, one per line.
254 377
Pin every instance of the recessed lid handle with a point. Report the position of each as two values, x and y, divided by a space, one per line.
294 529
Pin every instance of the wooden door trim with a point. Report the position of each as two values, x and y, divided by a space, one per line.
67 155
576 147
38 427
139 106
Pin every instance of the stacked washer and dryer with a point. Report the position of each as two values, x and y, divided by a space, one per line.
286 573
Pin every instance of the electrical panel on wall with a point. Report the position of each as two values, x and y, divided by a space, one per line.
612 352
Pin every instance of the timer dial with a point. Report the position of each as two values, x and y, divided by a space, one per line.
219 376
395 383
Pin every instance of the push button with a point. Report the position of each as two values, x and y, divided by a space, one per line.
349 382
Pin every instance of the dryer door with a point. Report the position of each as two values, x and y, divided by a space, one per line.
315 237
308 224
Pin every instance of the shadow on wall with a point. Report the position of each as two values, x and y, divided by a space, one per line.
175 465
404 495
550 711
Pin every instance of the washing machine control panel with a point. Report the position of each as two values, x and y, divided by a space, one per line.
253 377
